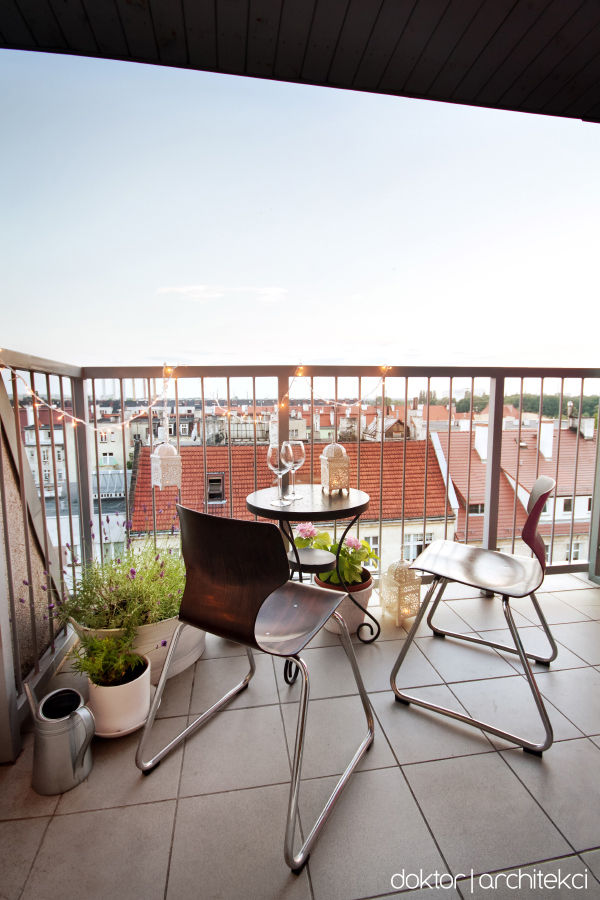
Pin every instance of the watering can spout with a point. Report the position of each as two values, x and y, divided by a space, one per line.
32 704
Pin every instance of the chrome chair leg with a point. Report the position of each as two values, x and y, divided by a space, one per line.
146 766
298 860
403 697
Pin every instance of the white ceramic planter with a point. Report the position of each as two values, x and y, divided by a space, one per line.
153 641
351 614
123 708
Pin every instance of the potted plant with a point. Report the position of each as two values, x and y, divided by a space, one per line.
358 580
119 682
140 590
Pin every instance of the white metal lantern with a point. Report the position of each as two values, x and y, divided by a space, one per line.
166 466
400 591
335 469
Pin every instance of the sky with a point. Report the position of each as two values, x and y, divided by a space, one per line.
155 215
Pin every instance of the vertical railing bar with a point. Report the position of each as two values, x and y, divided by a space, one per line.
312 429
229 457
404 448
97 472
151 445
124 447
472 405
204 442
67 473
426 464
57 512
9 573
514 525
25 511
335 411
36 425
448 463
539 431
358 447
84 478
380 529
572 529
562 389
493 463
255 443
177 441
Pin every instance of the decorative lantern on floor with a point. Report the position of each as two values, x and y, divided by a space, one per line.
335 469
400 591
166 466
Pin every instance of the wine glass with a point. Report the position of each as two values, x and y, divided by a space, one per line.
279 466
293 454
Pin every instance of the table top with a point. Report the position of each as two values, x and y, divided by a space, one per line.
313 506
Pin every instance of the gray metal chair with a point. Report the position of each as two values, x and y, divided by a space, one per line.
238 587
496 573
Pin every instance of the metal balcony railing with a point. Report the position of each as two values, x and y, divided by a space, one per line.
75 463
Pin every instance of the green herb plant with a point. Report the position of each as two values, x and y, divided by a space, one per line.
108 661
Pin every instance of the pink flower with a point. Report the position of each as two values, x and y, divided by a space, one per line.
353 543
306 530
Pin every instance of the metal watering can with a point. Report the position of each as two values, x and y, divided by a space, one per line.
64 728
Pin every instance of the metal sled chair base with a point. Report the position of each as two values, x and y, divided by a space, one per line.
530 747
295 861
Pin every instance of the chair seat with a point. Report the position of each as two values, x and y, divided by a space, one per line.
291 616
312 560
516 576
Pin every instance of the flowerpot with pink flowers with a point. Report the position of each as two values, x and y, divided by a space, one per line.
357 580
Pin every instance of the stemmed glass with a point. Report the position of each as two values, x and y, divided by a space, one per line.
293 454
279 466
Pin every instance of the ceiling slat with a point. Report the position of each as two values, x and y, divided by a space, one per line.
444 38
390 24
578 93
201 28
73 21
357 27
326 26
42 24
13 27
138 28
106 26
169 30
263 28
294 30
232 28
472 44
421 24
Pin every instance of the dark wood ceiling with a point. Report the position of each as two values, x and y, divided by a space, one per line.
539 56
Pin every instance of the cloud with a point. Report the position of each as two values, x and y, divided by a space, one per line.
203 293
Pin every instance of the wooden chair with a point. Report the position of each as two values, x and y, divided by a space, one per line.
496 573
238 587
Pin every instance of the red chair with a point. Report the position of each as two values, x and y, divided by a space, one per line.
496 573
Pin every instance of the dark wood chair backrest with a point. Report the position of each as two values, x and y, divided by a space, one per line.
231 567
540 492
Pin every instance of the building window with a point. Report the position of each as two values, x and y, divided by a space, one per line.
108 459
413 544
184 428
103 437
575 551
113 436
589 504
373 542
45 455
171 429
215 483
567 504
476 509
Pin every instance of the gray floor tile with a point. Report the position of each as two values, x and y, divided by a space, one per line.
334 730
217 647
375 829
230 846
596 740
418 734
507 703
482 816
17 797
456 591
458 660
175 700
583 638
115 780
427 892
445 618
534 641
484 613
563 582
19 843
214 677
541 880
592 861
107 853
555 610
576 693
238 748
566 784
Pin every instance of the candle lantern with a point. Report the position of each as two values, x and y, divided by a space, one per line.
400 591
165 466
335 469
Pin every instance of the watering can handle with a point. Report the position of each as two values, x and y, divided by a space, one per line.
90 727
